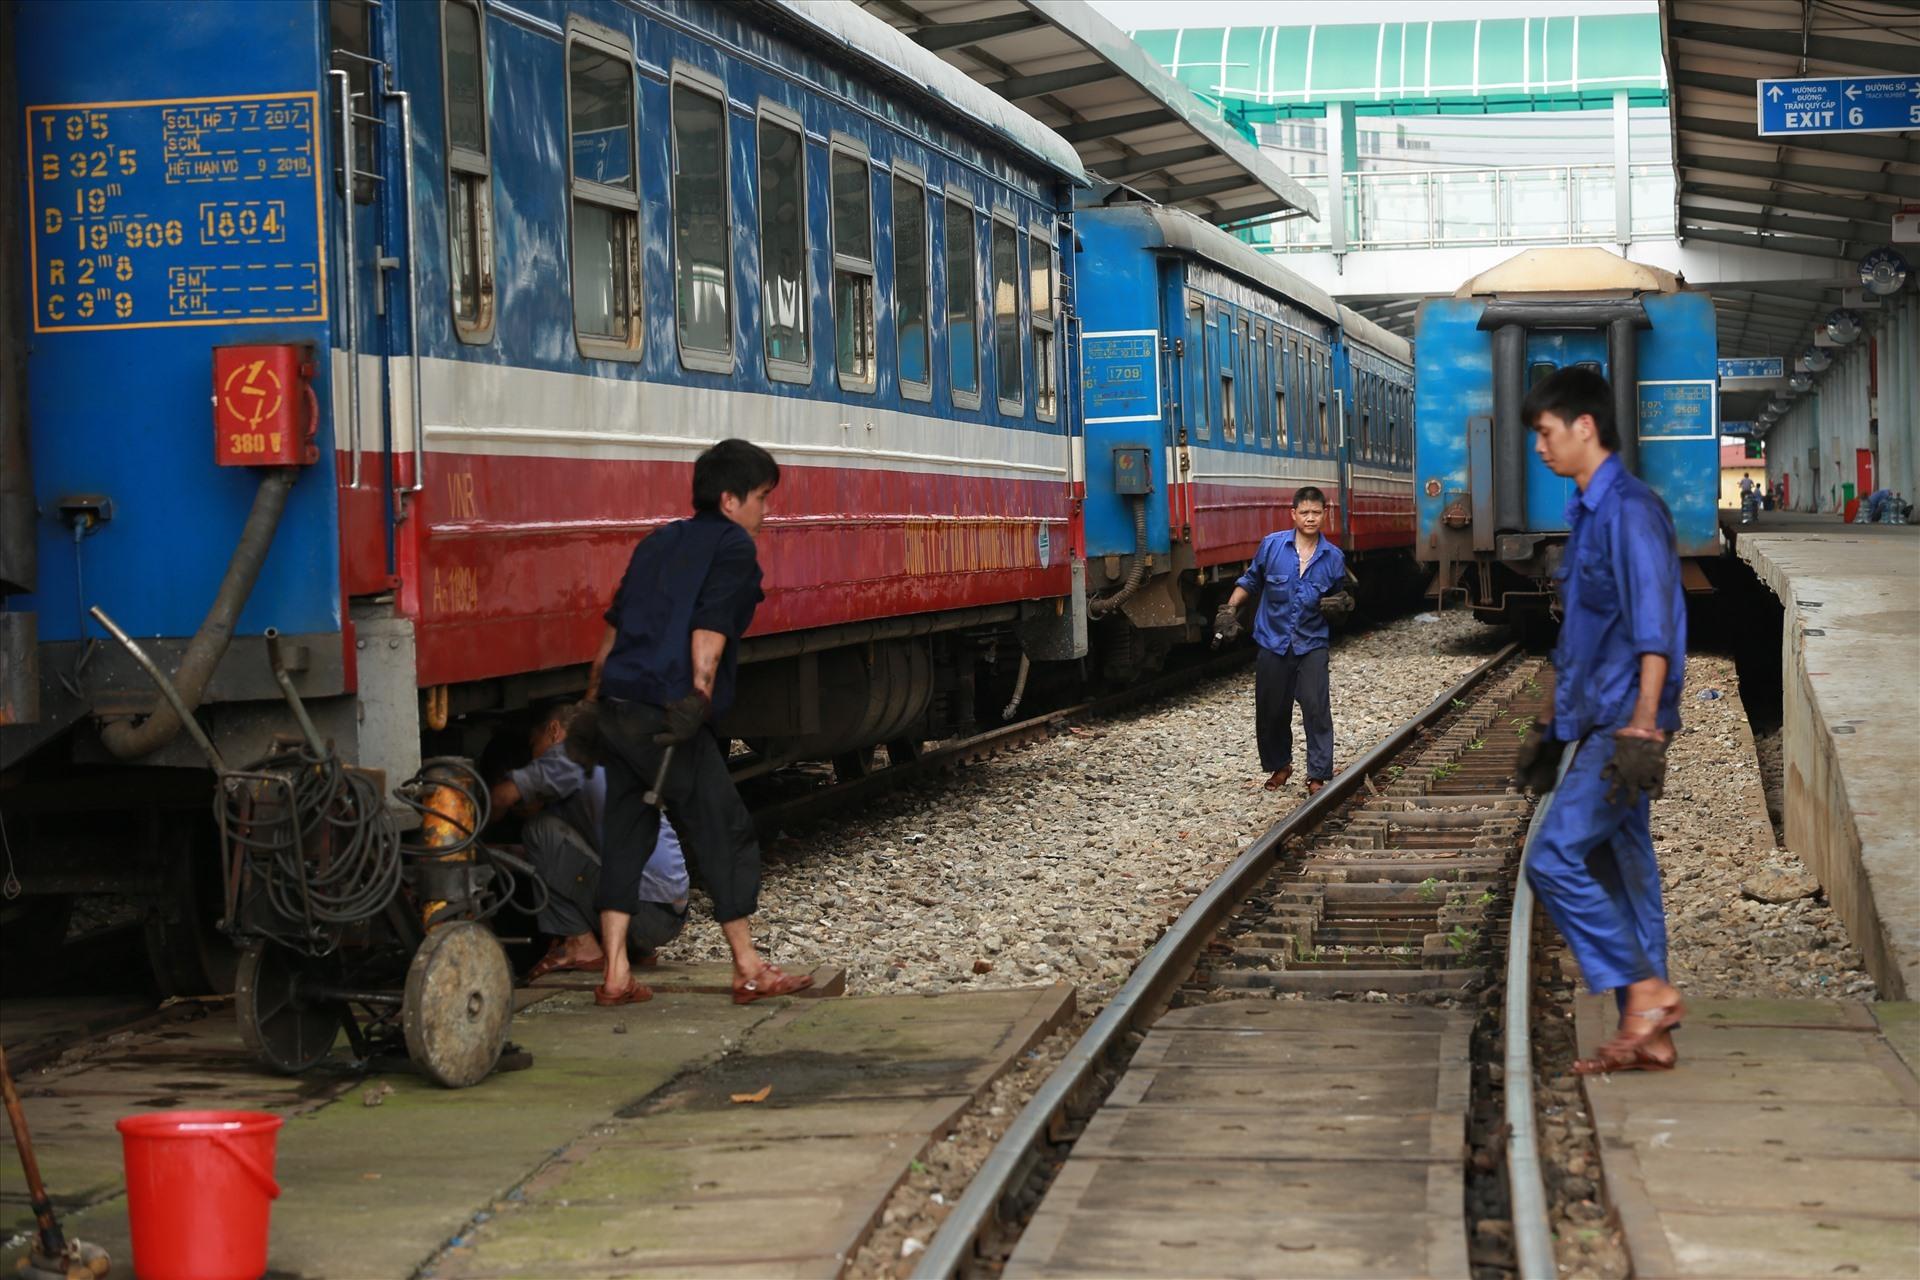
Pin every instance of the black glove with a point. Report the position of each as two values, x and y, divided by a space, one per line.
1539 763
1227 626
1639 765
685 716
584 744
1336 606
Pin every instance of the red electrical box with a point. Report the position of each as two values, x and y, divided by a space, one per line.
264 411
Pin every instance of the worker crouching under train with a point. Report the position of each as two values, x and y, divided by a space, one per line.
664 673
1618 671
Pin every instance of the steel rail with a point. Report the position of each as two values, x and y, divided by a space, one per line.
1152 984
1527 1192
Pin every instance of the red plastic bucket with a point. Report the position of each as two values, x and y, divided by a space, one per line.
199 1189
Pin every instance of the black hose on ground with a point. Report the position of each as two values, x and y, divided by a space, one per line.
1137 574
128 740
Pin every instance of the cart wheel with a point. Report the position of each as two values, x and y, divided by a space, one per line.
287 1034
459 1000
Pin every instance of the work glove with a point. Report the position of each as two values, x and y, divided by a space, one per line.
1227 626
685 716
1539 763
585 745
1337 606
1638 766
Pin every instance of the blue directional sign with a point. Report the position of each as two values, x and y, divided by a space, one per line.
1839 104
1739 428
1754 367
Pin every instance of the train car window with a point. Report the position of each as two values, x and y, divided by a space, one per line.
783 244
910 283
1537 371
963 303
352 53
702 223
1009 377
1283 356
469 170
1040 295
1196 364
605 193
1259 395
1223 368
1592 366
1244 380
853 320
1320 395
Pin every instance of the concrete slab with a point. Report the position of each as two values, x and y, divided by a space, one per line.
1900 1024
1250 1138
709 978
1851 735
1741 1163
850 1093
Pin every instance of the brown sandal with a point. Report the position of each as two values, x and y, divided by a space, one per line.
635 993
1628 1051
557 961
770 981
1605 1065
1279 778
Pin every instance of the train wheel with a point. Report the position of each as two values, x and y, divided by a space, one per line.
459 1000
285 1032
189 955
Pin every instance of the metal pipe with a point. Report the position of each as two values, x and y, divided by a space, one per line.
1509 433
167 691
277 661
413 291
1623 369
1137 574
19 541
1532 1229
1019 688
1159 974
209 644
350 294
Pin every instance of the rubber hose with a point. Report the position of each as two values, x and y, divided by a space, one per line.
1137 574
128 740
1019 687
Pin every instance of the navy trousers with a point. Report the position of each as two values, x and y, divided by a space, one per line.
1593 867
1279 681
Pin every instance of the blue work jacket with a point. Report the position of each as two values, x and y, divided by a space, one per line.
1620 597
691 575
1287 618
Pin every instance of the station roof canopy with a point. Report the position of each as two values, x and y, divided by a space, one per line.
1132 123
1830 195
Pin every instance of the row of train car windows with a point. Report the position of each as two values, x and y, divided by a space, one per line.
1254 372
606 250
1385 410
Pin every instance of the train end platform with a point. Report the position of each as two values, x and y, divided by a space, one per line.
1786 1143
1851 732
684 1136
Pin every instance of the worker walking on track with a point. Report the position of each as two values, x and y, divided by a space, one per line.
665 672
1299 577
1618 668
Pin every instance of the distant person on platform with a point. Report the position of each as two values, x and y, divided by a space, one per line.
1618 669
568 804
1746 489
1877 503
1299 579
665 674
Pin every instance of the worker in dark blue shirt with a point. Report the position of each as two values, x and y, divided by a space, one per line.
1300 579
665 672
1618 668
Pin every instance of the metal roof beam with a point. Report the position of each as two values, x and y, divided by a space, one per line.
951 35
1196 190
1016 88
1835 206
1134 166
1819 48
1088 130
1886 147
1866 180
1768 220
1783 244
1246 213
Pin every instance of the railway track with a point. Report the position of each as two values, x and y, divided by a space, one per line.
1290 1079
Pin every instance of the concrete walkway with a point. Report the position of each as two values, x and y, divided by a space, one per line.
621 1151
1786 1144
1851 741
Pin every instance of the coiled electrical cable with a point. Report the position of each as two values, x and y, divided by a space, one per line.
492 892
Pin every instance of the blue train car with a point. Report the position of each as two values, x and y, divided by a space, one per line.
1214 383
391 327
1492 518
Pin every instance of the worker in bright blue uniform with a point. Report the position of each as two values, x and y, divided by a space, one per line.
1300 579
1618 669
